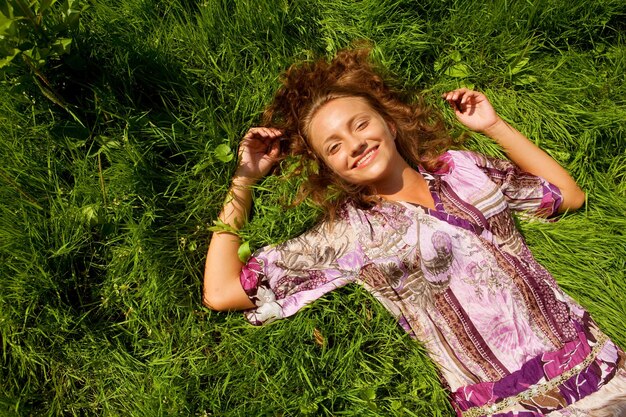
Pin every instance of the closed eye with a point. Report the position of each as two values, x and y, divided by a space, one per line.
333 148
362 125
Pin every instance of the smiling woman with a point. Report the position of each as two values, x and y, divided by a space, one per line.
430 232
419 131
358 145
354 141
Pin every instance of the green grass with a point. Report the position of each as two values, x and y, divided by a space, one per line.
104 226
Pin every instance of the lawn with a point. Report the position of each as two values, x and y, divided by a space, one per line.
118 121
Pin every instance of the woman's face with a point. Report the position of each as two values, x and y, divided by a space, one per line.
355 141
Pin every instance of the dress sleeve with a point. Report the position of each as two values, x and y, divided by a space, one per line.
282 279
522 191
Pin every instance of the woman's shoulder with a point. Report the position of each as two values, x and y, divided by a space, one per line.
462 157
457 162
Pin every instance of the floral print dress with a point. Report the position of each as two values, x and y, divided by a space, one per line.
460 278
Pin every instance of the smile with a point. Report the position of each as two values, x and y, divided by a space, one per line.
366 158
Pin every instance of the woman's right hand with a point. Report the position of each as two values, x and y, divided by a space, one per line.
259 151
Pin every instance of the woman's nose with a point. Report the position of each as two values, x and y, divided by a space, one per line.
357 146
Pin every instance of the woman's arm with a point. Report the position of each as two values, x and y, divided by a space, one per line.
222 290
474 111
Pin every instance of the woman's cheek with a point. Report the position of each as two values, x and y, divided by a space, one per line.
334 162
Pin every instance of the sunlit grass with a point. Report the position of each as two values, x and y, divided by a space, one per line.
104 227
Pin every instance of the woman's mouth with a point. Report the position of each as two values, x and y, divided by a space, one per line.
364 160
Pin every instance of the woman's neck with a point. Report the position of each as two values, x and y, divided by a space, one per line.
409 186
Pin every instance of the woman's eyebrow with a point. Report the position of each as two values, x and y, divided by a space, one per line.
349 122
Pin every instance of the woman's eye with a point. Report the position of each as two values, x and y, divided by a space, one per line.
362 125
333 148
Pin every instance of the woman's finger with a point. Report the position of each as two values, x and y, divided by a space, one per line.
472 96
466 95
273 131
455 99
263 133
274 150
458 93
453 104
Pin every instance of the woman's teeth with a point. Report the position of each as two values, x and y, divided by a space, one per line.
366 158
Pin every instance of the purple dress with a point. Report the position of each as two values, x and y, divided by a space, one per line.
459 278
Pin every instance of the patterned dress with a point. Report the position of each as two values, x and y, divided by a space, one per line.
460 278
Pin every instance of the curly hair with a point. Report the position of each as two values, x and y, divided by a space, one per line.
420 133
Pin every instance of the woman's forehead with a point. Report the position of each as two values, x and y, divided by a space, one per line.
337 113
342 106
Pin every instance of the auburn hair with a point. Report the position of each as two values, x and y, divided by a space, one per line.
421 136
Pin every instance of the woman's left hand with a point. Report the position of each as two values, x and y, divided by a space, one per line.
472 109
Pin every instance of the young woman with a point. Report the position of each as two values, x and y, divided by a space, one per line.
429 232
